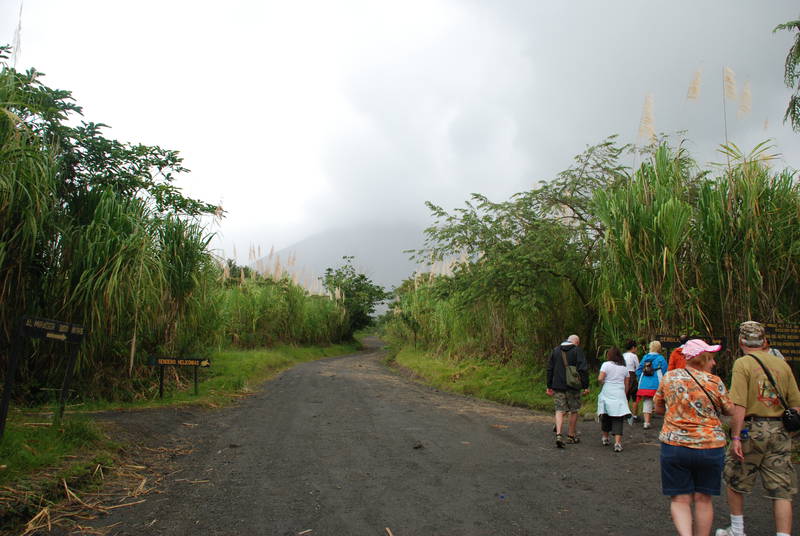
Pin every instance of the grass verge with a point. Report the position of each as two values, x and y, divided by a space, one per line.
41 462
231 374
517 386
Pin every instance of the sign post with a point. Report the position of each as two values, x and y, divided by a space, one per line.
162 362
9 384
42 328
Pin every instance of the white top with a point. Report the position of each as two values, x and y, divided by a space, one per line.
614 373
631 361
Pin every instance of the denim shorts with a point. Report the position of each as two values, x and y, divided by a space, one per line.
685 470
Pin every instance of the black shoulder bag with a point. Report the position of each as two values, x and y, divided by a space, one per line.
716 410
790 417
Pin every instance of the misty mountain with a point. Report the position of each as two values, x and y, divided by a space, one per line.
378 249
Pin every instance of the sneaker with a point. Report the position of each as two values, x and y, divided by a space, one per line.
559 441
572 439
646 425
630 420
617 447
605 441
725 532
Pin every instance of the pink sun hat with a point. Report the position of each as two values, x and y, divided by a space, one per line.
695 347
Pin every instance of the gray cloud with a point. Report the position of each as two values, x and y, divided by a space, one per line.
303 116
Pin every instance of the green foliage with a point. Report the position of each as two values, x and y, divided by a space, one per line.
610 255
94 231
647 224
523 270
357 293
232 372
519 385
262 312
26 448
792 74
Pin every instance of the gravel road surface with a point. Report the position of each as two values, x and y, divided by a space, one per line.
347 446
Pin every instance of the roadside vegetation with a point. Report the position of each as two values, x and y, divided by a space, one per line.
610 253
515 385
94 231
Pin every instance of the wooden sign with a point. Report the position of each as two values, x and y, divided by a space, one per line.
41 328
162 362
669 342
785 337
44 328
179 362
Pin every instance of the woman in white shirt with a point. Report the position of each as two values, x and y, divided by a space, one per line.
612 403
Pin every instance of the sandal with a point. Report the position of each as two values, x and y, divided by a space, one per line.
559 441
573 439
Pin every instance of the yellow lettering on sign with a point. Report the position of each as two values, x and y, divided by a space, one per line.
57 336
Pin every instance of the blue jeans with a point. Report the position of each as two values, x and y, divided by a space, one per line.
686 471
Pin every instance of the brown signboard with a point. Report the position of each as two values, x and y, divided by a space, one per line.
43 328
668 342
179 362
162 362
785 337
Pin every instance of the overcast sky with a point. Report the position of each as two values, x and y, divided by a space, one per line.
301 115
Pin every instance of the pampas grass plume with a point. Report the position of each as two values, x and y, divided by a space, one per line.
730 83
646 129
694 87
746 100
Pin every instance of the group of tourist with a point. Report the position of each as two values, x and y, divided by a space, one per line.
693 440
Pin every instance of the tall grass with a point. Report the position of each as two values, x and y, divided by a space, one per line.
669 248
262 312
93 232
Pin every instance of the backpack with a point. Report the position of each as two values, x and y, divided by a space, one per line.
647 369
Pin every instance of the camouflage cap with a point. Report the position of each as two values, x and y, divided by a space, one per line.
751 332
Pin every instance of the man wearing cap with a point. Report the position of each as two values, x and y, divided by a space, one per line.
760 445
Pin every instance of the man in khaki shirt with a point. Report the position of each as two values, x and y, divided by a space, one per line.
760 445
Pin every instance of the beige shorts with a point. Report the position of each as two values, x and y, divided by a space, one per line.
768 452
568 401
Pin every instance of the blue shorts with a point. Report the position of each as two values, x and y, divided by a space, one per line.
686 471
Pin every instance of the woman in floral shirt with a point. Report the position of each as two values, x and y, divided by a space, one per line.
692 438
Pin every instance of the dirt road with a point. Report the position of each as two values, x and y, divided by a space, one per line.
345 446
